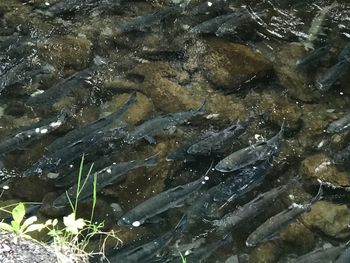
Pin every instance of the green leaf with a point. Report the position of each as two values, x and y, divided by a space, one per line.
15 226
18 213
6 227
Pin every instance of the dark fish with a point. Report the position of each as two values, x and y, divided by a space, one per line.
145 22
160 203
332 75
321 255
201 254
147 251
209 203
248 211
71 6
345 53
35 132
250 155
215 142
312 59
341 125
271 227
208 7
77 134
160 124
342 157
180 154
107 176
23 73
240 17
66 87
57 160
247 179
344 257
212 25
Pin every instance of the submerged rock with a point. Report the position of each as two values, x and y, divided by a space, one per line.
331 219
66 51
230 66
266 253
320 167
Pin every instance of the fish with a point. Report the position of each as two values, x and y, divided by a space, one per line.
241 17
312 59
342 157
345 53
160 203
248 211
145 22
325 81
271 227
66 87
247 179
317 25
23 73
345 256
147 251
208 7
107 176
212 25
215 142
202 253
155 126
341 125
251 154
27 135
68 7
321 255
208 204
78 134
54 162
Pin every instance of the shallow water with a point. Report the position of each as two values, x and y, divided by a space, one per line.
246 61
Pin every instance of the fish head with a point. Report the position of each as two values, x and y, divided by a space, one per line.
125 221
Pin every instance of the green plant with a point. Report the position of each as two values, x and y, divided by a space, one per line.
74 236
22 227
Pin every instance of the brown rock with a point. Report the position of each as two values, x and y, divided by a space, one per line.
265 253
229 65
332 219
297 238
296 82
67 51
320 167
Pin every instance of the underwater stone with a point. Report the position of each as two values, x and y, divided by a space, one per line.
265 253
332 219
320 167
66 51
230 66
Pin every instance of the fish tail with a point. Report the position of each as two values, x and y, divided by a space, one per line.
202 109
319 194
182 224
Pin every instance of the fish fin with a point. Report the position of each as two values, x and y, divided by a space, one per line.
150 139
202 109
182 224
153 160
